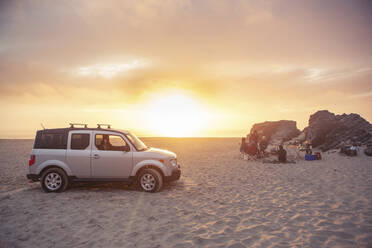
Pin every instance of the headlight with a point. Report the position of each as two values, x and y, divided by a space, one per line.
173 162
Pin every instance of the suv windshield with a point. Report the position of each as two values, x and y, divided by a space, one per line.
140 146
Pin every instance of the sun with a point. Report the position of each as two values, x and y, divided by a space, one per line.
175 115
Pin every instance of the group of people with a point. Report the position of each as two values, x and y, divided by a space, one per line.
349 150
255 146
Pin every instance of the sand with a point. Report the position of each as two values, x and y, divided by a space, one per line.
220 201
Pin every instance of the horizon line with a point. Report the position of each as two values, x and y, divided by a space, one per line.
144 137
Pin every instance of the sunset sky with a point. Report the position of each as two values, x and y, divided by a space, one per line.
182 67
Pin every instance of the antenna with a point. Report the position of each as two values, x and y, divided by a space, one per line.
42 126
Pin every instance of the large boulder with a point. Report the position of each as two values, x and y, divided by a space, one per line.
276 131
327 130
368 151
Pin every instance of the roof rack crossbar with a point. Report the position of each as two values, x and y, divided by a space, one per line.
99 125
72 125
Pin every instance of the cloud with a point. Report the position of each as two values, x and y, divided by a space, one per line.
109 70
269 32
316 75
362 95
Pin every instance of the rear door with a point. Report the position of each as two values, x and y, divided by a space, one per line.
112 155
79 148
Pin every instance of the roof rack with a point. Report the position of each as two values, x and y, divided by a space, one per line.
107 125
72 125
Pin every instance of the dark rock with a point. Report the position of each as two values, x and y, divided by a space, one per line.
368 151
327 130
276 131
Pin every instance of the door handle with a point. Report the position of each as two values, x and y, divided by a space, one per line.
96 156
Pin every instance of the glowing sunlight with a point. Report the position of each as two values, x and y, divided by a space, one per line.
175 115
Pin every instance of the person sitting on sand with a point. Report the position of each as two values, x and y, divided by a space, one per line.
353 150
282 155
243 149
252 149
349 150
253 137
262 145
343 147
308 147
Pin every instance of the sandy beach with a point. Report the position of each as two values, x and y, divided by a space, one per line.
220 201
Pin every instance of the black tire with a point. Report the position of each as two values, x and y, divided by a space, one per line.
153 178
60 185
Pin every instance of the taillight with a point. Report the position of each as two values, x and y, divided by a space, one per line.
32 160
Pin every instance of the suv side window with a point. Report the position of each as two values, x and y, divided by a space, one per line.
79 141
50 141
109 142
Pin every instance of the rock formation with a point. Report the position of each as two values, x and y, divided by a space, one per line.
327 130
368 151
276 132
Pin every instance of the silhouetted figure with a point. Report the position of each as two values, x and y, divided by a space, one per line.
343 147
353 150
263 145
252 149
243 148
308 148
282 154
349 150
253 137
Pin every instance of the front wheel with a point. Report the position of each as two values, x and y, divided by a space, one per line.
150 180
54 180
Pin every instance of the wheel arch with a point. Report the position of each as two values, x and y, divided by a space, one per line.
150 166
157 165
53 164
49 167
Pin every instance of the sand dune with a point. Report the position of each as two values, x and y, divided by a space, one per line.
220 201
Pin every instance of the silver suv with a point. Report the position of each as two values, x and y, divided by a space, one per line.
81 154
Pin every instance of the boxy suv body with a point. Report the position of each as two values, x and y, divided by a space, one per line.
65 155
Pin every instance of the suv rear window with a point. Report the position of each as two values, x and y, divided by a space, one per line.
50 141
80 141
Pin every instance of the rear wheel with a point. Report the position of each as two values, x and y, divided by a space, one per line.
54 180
150 180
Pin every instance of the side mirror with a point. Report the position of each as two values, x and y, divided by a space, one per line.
125 148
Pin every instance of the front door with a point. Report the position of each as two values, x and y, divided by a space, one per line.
79 150
111 156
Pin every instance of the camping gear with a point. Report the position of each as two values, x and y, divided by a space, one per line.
353 151
318 156
310 157
349 150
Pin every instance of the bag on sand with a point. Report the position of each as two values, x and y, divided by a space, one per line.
318 156
310 157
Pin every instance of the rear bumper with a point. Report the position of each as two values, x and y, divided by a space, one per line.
33 177
176 174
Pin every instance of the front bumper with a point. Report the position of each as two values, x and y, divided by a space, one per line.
33 177
176 174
